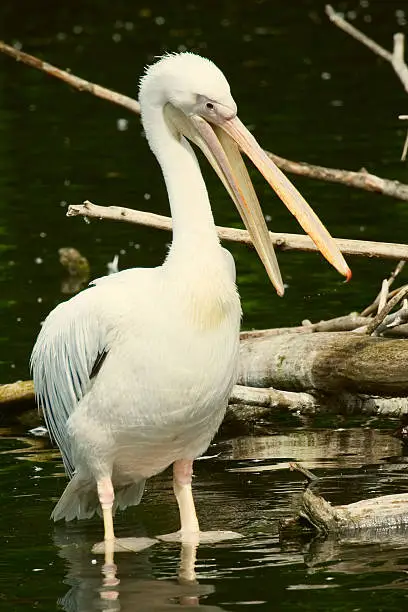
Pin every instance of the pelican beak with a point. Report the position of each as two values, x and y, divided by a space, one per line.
220 143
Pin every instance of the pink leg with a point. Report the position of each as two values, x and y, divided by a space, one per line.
189 533
182 476
106 496
111 544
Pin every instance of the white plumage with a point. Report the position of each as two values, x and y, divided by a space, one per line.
134 373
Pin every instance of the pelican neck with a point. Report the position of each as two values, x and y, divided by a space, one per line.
193 222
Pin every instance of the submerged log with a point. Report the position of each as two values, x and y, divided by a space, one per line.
326 362
385 512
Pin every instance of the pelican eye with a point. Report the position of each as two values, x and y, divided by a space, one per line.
209 106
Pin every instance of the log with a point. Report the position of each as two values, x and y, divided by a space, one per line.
385 512
17 392
252 403
273 399
326 362
249 405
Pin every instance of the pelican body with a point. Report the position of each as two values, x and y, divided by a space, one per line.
134 373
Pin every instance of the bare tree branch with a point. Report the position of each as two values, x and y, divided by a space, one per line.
360 180
74 81
374 305
379 318
396 58
338 324
383 295
283 242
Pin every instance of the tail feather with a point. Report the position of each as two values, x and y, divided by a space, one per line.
80 499
130 495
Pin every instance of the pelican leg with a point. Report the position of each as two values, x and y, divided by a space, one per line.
106 496
110 543
189 532
182 477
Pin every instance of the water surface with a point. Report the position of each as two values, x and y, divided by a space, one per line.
244 485
309 93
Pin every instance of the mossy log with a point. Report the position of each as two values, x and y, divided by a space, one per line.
326 362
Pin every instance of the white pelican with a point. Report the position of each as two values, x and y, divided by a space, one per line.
134 373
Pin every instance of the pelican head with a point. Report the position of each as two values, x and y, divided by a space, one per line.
197 103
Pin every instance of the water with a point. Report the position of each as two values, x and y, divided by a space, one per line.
310 93
245 486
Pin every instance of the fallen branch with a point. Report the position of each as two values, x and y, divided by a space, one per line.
281 241
388 512
360 180
273 399
327 363
395 322
390 280
247 405
385 512
20 391
379 318
264 403
344 323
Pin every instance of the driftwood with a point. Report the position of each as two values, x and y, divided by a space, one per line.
17 392
328 362
390 280
385 512
385 250
360 180
250 404
343 323
384 318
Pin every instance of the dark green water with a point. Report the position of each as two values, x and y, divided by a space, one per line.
311 94
246 487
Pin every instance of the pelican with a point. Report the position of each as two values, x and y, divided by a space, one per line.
133 374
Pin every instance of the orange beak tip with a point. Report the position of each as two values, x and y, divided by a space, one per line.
348 275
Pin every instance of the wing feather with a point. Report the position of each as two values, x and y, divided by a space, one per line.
71 341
